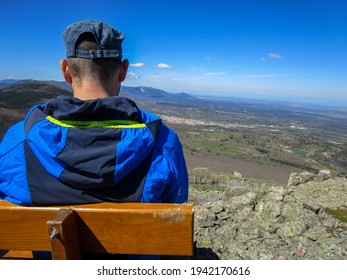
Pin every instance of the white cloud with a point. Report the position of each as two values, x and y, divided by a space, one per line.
137 65
163 66
208 58
275 56
271 55
215 73
132 75
264 76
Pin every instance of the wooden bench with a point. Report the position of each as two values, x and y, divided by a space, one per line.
112 228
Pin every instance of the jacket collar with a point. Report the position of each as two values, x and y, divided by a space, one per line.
70 108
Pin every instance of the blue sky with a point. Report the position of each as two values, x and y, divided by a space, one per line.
236 47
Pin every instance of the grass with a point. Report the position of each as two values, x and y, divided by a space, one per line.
300 152
213 146
325 164
275 148
339 214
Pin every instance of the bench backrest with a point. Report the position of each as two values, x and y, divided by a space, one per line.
117 228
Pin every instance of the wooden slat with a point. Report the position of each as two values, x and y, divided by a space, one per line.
121 228
153 229
13 254
63 235
24 228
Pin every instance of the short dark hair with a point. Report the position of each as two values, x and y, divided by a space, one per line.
100 69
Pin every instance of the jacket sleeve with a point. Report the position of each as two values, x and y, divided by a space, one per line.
13 185
177 189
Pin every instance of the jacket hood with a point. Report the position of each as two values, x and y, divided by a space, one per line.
90 144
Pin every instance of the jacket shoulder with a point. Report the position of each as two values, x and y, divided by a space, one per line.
14 136
168 139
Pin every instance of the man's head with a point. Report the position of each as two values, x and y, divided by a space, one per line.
94 53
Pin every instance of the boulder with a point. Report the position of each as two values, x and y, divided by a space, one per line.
323 175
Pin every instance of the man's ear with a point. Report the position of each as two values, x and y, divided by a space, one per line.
65 70
123 70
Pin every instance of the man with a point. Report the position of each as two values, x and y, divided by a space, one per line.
95 146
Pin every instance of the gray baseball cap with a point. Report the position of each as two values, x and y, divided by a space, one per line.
108 38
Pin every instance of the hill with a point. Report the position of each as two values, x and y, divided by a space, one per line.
17 97
24 94
8 82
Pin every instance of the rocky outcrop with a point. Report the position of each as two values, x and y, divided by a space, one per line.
239 219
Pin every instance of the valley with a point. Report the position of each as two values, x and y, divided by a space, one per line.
260 140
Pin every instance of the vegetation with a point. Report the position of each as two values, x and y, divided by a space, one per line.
16 100
340 214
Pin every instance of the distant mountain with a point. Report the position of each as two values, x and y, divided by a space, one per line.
8 82
48 88
153 93
24 94
61 85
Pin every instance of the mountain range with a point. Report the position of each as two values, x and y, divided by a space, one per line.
56 87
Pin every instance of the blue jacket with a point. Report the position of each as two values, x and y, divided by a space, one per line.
71 151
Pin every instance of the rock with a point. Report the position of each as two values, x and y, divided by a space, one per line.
242 220
243 200
277 193
316 233
301 178
216 209
301 252
291 229
206 242
205 218
323 175
271 211
293 180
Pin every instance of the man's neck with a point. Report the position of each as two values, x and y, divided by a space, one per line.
89 90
